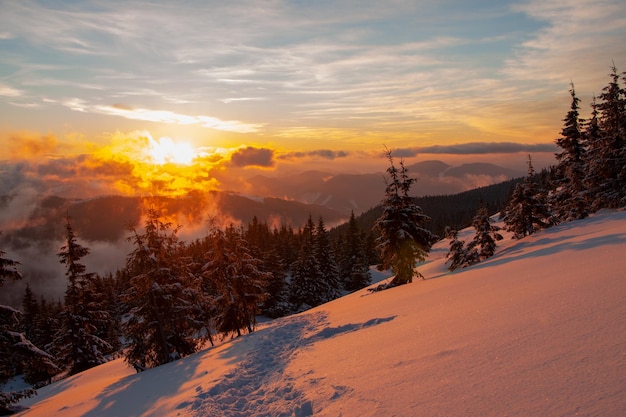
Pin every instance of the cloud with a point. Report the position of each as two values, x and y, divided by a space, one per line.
475 148
166 116
578 40
122 167
251 156
319 153
8 91
23 146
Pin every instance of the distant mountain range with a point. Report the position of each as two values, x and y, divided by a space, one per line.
285 200
360 192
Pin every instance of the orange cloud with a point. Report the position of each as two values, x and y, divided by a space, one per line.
23 146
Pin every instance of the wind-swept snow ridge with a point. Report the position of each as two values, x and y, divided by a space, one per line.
536 330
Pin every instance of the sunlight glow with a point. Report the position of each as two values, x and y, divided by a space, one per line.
166 151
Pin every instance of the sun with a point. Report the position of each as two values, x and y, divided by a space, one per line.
166 151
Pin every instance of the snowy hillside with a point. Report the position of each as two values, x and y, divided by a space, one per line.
539 329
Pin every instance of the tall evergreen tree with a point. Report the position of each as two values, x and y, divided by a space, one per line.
403 240
528 210
162 299
354 265
606 156
16 351
484 242
30 307
568 198
457 254
326 258
276 304
307 287
240 283
76 344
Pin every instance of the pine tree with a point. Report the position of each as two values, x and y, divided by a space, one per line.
76 344
307 287
30 317
485 238
606 156
162 299
568 198
354 266
403 240
36 369
528 210
16 351
276 304
457 255
240 284
325 255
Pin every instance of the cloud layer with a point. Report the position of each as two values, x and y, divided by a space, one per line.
334 73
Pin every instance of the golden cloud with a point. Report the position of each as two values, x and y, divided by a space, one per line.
23 146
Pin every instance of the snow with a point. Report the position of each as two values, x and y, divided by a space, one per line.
538 329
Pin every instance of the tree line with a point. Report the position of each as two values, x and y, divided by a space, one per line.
172 297
589 175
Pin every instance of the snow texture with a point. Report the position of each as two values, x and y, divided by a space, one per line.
537 329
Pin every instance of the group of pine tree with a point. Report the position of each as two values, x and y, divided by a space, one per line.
173 297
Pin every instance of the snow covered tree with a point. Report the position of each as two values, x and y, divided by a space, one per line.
36 370
16 351
527 211
484 242
568 198
606 153
161 302
76 345
354 268
276 304
308 286
457 254
239 282
265 246
325 254
314 274
403 240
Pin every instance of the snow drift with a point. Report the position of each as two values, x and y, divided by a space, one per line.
538 329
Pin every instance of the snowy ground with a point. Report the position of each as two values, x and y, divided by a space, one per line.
539 329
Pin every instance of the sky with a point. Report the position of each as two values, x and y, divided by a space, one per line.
535 330
140 96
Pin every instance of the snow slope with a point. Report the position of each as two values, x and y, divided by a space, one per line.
539 329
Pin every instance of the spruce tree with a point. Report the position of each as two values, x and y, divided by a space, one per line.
307 287
36 369
527 210
606 156
276 304
457 254
568 198
485 238
239 282
77 345
326 259
16 351
29 322
354 266
161 301
403 240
